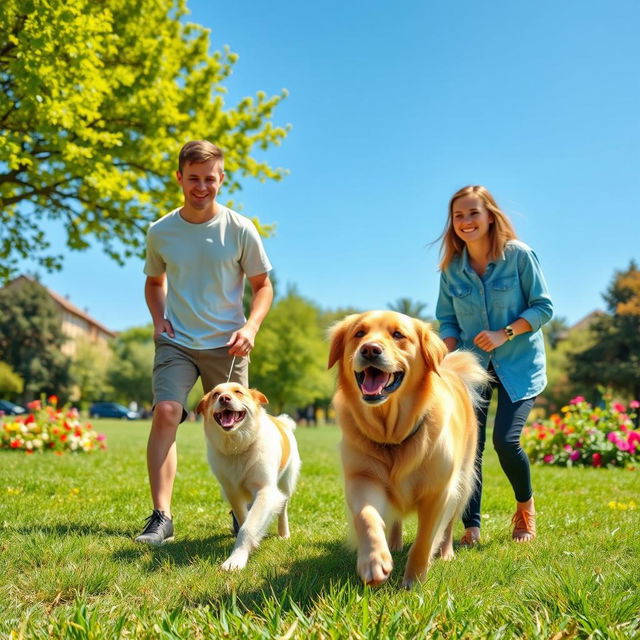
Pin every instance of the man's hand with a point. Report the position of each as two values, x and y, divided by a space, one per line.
490 340
163 327
242 341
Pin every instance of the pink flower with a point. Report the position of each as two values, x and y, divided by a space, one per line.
619 407
574 455
548 458
101 437
634 404
612 437
568 447
596 460
576 400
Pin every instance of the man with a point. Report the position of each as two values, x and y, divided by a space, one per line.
197 258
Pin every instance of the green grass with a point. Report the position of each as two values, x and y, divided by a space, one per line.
69 567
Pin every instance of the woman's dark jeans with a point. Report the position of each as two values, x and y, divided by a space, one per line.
510 420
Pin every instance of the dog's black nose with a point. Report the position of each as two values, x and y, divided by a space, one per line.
224 399
370 350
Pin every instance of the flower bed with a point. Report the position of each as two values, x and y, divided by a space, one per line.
49 428
580 434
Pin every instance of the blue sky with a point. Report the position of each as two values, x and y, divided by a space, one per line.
393 107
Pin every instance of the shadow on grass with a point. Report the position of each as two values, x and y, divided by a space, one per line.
180 553
330 565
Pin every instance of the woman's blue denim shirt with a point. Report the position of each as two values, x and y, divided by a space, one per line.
512 287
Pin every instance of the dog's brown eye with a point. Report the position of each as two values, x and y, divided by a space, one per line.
238 392
397 335
360 334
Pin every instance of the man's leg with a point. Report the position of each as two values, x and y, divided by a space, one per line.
162 457
174 374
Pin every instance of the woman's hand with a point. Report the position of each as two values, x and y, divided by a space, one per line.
490 340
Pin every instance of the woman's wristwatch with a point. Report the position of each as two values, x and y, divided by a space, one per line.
509 332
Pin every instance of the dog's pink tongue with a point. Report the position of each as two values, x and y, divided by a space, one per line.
228 418
374 381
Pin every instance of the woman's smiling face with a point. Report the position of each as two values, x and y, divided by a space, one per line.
470 218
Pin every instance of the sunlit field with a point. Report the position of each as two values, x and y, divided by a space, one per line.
69 567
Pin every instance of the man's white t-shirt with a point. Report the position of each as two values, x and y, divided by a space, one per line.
205 265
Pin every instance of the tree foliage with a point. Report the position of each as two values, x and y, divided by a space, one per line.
614 358
11 383
96 100
131 367
31 338
89 371
411 308
289 362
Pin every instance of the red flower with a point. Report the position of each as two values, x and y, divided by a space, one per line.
53 400
15 444
30 419
596 460
63 437
34 405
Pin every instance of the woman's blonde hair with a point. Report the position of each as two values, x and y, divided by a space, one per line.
500 232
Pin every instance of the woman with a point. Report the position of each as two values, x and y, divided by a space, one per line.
493 300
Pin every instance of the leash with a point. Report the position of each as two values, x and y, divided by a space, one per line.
231 368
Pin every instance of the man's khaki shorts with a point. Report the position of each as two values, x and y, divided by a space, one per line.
176 369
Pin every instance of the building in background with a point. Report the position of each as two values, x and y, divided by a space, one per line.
76 324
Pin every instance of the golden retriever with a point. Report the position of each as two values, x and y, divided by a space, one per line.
406 410
255 458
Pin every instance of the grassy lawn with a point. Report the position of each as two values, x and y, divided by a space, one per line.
69 567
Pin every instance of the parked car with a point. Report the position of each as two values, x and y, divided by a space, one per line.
112 410
11 409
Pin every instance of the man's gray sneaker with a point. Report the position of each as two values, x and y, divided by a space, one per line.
158 530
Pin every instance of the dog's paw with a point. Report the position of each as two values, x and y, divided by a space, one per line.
237 560
446 552
374 568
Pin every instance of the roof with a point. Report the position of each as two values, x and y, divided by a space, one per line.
66 305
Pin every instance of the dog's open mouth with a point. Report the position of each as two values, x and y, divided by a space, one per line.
227 419
376 385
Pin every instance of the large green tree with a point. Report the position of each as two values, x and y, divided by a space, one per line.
96 99
614 358
31 339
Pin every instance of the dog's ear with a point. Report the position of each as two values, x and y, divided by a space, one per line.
204 403
258 396
337 335
432 347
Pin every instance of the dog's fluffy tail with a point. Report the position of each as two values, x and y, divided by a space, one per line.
466 365
288 421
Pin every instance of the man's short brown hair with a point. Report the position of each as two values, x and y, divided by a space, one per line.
198 151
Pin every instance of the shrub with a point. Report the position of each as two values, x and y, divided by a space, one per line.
601 436
47 428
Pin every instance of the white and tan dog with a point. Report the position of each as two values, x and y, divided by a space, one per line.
255 458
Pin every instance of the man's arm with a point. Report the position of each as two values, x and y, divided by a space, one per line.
155 294
242 341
